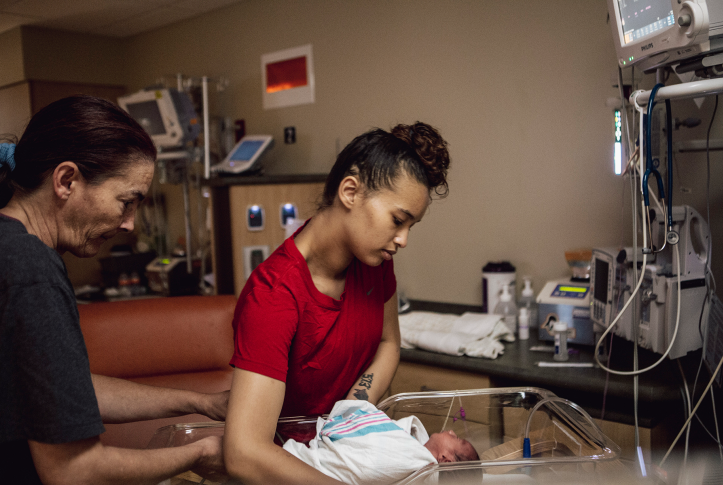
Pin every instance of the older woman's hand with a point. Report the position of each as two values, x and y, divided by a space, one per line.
214 405
211 465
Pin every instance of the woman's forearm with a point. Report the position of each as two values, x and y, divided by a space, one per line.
249 451
375 381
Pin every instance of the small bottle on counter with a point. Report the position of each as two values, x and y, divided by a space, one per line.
507 309
523 324
560 331
527 299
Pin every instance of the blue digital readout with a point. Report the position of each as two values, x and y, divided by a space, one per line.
246 150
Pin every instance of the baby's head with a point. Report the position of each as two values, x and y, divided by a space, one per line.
447 447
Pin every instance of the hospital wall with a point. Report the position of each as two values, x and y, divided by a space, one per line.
517 88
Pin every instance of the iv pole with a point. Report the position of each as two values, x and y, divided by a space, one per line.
180 81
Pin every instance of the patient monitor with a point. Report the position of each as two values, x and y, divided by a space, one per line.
167 115
655 33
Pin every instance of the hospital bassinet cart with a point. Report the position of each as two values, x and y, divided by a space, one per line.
566 446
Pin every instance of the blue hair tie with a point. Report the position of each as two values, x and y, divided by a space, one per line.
7 155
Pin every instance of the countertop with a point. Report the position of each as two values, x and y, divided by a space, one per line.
264 179
658 389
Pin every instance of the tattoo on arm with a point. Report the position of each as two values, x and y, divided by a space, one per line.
366 382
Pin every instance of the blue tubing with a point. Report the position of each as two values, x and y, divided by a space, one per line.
526 451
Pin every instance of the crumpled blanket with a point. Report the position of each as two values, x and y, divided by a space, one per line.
472 334
358 444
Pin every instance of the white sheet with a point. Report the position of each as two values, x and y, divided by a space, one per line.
358 444
473 334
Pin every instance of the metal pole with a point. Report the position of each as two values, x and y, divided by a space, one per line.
693 89
206 130
187 216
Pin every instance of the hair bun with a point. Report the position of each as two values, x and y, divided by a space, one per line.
431 149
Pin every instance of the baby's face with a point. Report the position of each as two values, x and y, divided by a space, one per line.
447 447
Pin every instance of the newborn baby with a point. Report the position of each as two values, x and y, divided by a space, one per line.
358 444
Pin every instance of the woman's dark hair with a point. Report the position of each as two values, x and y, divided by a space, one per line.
95 134
378 157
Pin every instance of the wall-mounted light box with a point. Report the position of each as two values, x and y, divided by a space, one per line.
288 77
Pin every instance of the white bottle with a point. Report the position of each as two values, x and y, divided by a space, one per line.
508 309
527 299
560 331
523 324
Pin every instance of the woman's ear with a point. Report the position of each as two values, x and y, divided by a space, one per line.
349 191
64 176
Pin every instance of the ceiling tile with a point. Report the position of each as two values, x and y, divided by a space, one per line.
118 18
95 20
6 3
203 5
54 9
150 20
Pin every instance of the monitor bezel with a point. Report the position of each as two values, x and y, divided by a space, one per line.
667 46
239 167
173 136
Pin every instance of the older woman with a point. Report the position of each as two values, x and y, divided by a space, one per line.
73 181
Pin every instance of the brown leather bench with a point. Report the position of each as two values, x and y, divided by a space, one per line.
179 342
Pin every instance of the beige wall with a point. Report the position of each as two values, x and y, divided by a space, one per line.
11 54
517 88
518 91
54 55
14 108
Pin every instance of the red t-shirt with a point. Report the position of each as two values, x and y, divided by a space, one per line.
286 329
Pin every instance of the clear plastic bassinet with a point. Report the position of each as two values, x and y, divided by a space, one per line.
566 445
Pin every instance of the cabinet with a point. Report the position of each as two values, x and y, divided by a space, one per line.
230 234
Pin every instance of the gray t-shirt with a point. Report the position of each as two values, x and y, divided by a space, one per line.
46 393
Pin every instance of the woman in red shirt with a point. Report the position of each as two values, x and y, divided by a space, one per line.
317 321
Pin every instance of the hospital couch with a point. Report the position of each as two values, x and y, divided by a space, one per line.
178 342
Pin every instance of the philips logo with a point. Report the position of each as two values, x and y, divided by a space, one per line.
646 47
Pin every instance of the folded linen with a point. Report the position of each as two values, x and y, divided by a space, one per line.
472 334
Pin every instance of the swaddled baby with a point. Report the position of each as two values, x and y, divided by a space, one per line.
358 444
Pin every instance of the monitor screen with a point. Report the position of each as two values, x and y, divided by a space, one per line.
147 114
601 280
246 150
640 18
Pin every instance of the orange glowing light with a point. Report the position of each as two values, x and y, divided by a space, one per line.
286 74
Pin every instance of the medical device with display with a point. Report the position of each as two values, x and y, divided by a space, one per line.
166 114
612 282
654 33
245 155
566 301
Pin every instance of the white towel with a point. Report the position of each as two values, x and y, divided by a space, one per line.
358 444
473 334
